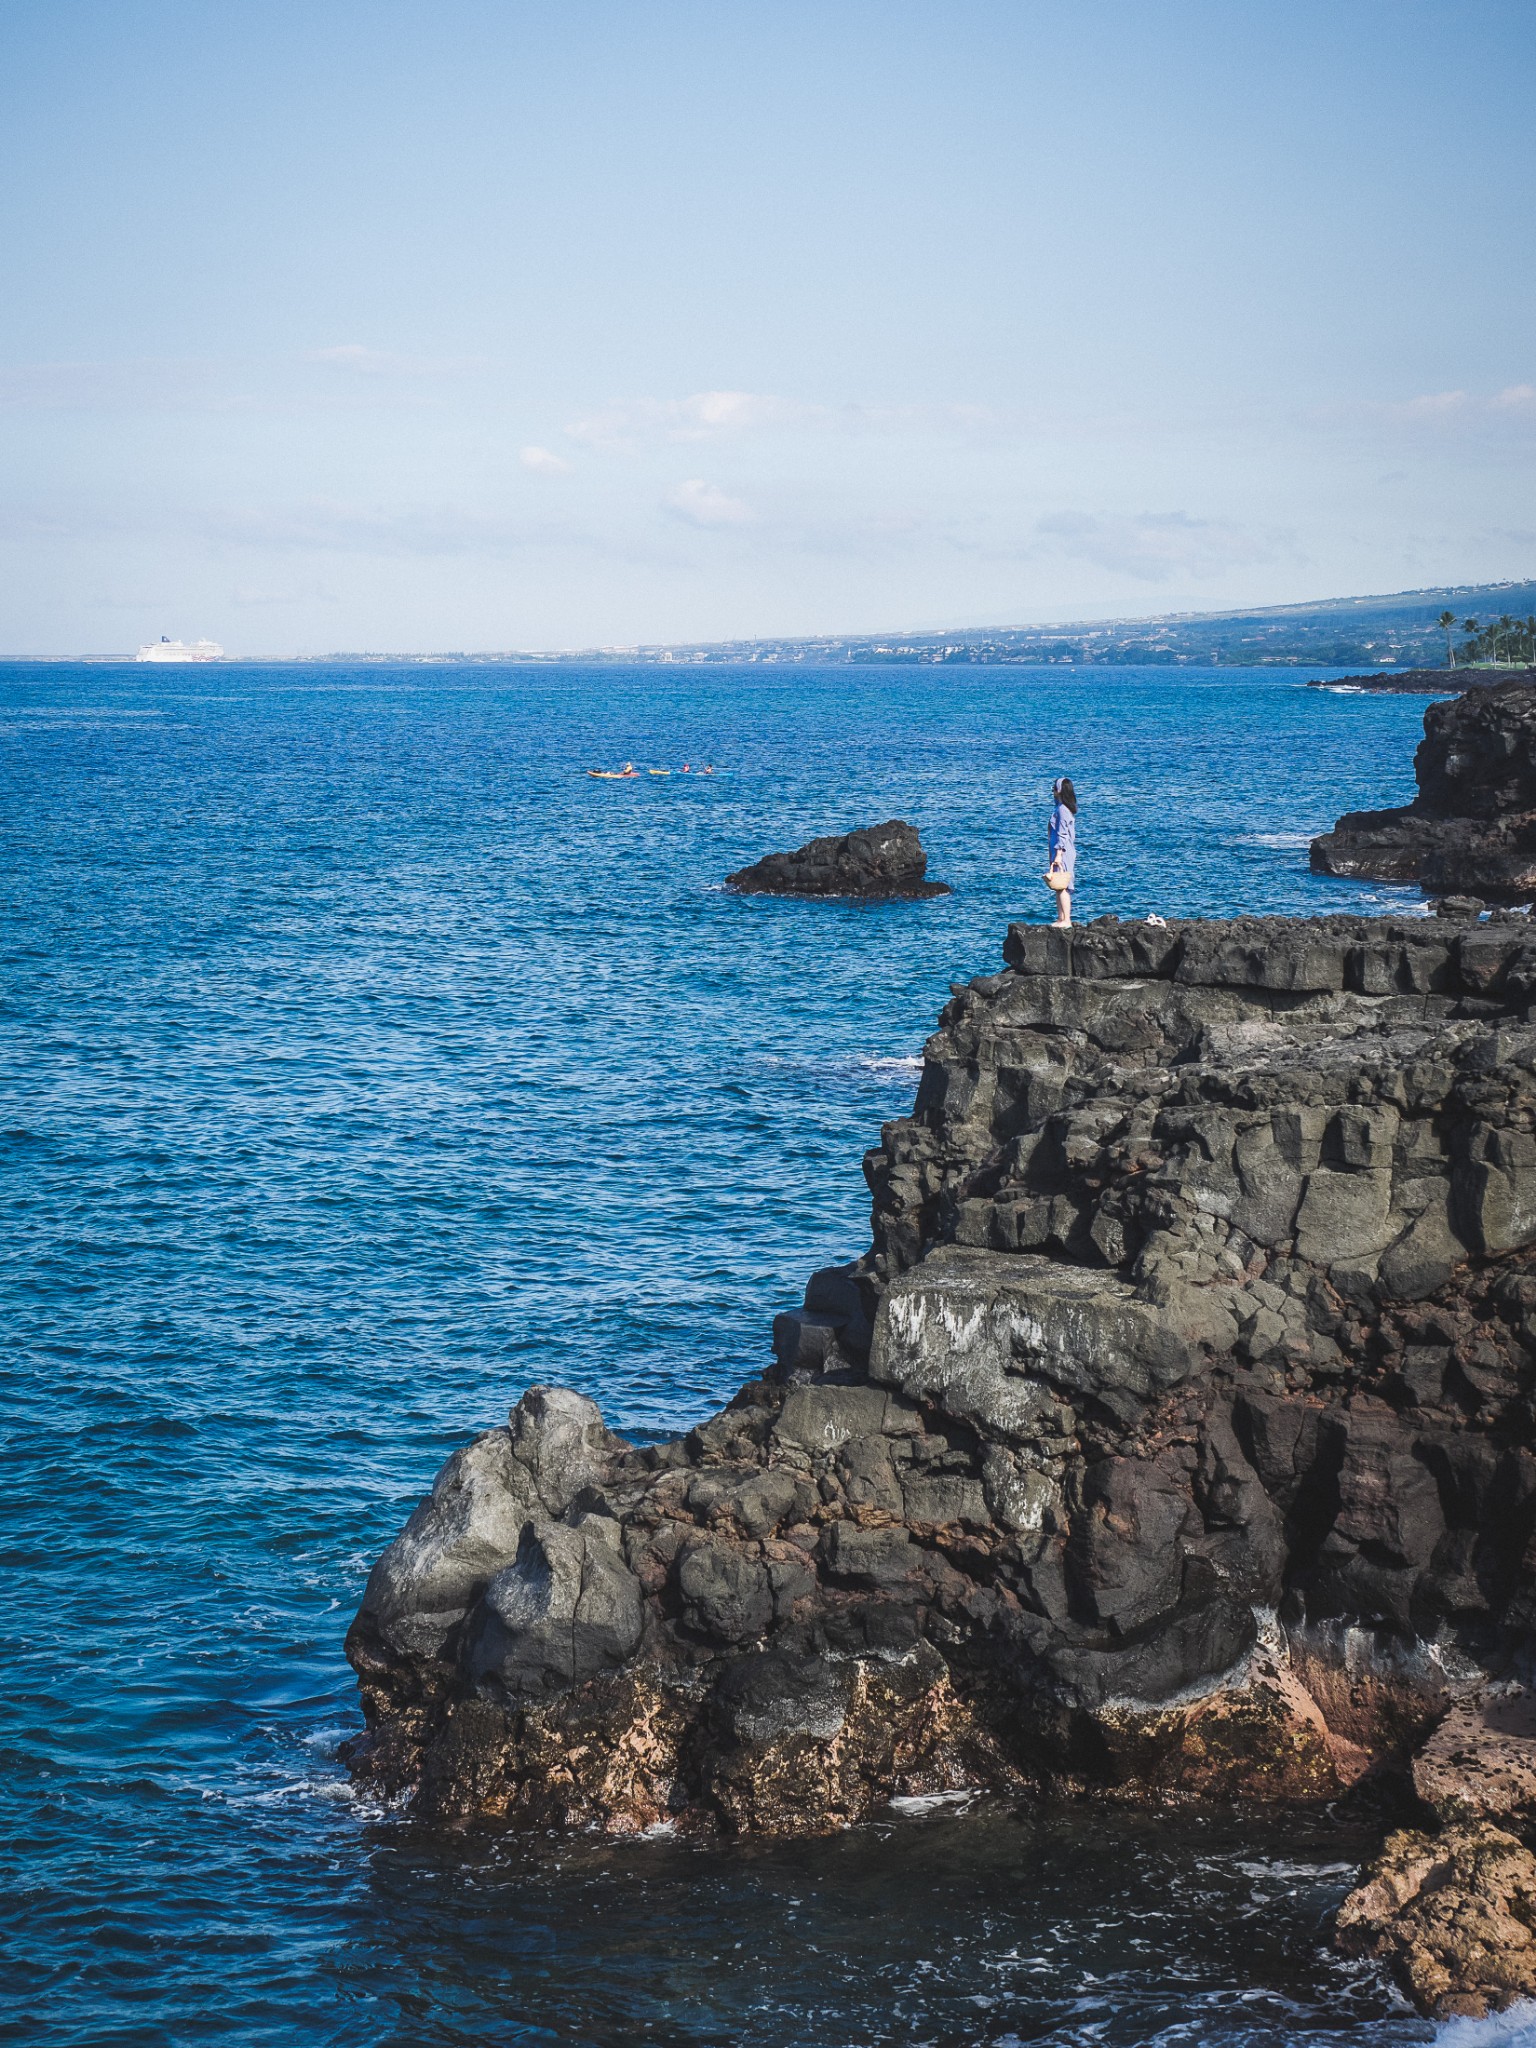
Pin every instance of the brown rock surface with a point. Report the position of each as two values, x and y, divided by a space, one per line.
1480 1763
1454 1915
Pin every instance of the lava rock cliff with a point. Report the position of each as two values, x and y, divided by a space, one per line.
1174 1439
1472 826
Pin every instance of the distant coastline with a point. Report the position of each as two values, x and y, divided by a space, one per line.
1427 682
1398 632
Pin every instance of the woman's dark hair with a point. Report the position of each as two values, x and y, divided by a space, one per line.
1066 794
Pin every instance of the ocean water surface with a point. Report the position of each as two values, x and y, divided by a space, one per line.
364 1062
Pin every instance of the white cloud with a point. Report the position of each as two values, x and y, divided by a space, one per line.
544 462
699 417
705 504
714 412
1435 404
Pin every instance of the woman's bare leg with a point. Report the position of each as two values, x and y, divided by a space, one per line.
1063 906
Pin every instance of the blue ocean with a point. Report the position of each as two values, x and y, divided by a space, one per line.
364 1062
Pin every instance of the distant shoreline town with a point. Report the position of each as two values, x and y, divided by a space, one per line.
1449 625
1402 630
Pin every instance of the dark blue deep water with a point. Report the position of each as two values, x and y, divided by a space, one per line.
363 1062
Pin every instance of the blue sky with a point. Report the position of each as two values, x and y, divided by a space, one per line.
339 325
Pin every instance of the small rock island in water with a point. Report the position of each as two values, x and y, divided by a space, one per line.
1174 1440
876 861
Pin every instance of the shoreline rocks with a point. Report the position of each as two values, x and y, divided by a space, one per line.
1174 1440
1453 1915
1425 682
1471 829
875 862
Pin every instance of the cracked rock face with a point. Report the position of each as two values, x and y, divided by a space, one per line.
1173 1439
1472 826
879 860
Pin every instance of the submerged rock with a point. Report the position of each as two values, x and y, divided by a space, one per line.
1175 1438
878 860
1472 826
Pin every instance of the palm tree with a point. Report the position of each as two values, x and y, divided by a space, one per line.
1445 622
1469 626
1530 634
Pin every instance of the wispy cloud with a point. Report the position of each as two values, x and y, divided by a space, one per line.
135 384
333 526
1458 405
380 362
351 355
1154 547
147 384
346 378
320 526
711 415
700 417
544 462
705 504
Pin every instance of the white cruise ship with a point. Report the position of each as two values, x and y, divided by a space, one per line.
181 650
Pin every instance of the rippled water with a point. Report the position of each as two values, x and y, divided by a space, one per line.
363 1062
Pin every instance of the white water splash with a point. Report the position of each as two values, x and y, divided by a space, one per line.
1513 2029
935 1802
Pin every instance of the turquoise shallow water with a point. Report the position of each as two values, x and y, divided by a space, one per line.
363 1062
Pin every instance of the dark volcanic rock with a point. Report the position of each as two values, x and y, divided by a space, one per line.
1426 682
879 860
1175 1438
1472 826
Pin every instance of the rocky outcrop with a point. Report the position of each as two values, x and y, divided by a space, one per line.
1425 682
1453 1914
879 860
1472 826
1174 1439
1451 1907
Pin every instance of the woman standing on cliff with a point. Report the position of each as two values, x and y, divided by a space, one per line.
1063 844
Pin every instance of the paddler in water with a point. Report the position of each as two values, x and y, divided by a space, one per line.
1063 845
